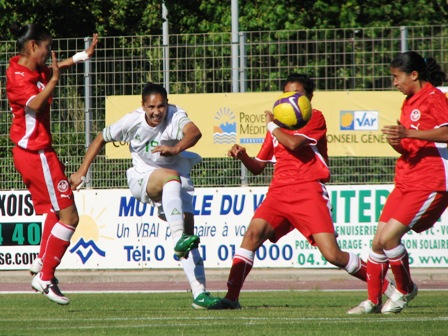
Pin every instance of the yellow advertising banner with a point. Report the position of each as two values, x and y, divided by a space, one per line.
354 120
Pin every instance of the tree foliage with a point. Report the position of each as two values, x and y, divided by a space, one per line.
124 18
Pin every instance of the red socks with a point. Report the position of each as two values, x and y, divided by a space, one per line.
57 244
50 222
243 261
399 264
377 266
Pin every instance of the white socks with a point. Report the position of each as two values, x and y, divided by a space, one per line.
172 205
194 270
354 263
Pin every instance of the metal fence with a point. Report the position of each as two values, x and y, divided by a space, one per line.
339 59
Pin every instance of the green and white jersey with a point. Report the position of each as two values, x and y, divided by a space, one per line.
142 138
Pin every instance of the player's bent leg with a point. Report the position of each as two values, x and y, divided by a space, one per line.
185 244
326 242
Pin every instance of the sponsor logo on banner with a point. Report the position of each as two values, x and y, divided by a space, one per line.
118 232
359 120
86 239
225 131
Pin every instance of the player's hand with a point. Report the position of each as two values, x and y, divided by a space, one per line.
91 49
165 150
391 134
236 152
54 67
269 116
76 181
394 133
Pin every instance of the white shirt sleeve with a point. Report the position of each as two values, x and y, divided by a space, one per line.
178 122
120 131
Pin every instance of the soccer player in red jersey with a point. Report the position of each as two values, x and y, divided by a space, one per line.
301 169
421 179
29 88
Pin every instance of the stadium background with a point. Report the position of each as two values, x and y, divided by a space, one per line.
340 60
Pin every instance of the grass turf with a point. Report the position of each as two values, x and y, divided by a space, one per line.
264 313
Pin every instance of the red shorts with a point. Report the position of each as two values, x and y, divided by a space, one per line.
44 176
419 210
305 207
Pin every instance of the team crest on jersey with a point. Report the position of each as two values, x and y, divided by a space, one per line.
63 186
40 86
415 115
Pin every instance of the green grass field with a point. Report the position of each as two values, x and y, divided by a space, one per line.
263 313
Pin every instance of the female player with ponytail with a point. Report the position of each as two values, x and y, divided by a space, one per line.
420 195
29 87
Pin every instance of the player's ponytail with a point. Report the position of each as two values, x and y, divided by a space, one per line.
428 69
434 73
29 32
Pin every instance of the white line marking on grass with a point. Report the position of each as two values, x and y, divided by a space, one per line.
123 291
380 318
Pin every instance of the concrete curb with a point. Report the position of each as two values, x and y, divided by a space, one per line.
259 278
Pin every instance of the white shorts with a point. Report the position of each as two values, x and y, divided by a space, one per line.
137 182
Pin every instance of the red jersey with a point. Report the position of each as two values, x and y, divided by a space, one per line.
29 130
309 163
424 164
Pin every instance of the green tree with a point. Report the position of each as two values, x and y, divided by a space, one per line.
137 17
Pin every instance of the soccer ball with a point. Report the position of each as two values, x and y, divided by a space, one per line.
292 110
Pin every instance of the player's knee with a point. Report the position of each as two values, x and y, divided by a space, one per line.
384 242
253 239
169 175
336 257
377 244
69 216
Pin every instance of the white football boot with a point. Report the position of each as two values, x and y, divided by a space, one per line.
390 290
398 301
365 307
50 289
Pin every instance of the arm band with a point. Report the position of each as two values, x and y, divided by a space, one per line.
83 180
80 57
272 126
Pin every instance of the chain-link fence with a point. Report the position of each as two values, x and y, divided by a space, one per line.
339 59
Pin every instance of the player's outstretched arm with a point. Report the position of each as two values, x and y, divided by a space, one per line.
292 142
191 135
41 100
81 56
78 177
239 152
399 132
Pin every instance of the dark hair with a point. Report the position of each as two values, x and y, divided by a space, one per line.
427 68
305 80
28 32
151 88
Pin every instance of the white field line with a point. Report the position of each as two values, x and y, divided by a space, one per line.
120 291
